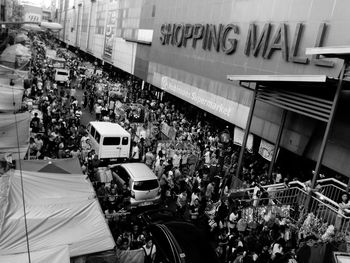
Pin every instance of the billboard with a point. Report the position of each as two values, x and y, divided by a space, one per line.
110 33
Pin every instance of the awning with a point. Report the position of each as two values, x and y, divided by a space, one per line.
308 95
278 78
32 27
342 52
10 53
65 166
59 254
51 25
61 209
331 51
21 38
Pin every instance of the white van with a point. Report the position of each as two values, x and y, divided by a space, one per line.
141 181
109 140
61 75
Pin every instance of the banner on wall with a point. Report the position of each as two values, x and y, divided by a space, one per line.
168 131
110 33
266 150
228 110
238 135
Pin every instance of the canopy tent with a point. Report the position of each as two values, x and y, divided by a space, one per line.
10 53
15 56
8 142
10 95
32 27
64 166
11 73
61 209
21 37
52 255
51 25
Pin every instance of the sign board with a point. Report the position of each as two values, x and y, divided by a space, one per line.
216 105
266 150
32 17
238 135
110 33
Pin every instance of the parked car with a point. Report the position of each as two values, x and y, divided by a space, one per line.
140 179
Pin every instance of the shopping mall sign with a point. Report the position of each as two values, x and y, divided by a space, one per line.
224 38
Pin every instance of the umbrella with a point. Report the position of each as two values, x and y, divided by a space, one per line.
10 53
50 25
32 27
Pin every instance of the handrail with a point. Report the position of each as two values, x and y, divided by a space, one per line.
278 188
335 186
333 206
334 180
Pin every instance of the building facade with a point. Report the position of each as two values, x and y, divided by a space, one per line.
187 48
2 10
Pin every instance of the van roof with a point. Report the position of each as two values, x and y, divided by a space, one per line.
139 171
109 128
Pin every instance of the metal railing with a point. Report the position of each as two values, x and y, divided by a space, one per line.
295 199
332 188
329 187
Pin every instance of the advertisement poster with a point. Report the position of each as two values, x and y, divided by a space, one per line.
266 150
110 33
238 139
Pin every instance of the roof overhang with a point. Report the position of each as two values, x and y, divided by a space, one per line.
278 78
309 95
342 52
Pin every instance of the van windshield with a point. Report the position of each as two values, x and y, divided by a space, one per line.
62 73
111 141
146 185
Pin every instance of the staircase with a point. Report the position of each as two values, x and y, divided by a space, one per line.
292 201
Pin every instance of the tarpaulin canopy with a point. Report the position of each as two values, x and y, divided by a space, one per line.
32 27
51 25
10 95
53 255
10 53
8 142
21 38
65 166
61 209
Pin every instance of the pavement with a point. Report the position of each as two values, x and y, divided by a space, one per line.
86 117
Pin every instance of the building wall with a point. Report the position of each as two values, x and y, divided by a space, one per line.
129 34
32 13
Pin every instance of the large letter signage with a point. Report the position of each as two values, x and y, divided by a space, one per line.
223 38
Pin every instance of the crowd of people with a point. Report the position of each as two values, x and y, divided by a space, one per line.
194 167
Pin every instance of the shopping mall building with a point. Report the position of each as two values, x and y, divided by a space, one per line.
188 49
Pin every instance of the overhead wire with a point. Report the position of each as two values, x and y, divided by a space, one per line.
21 176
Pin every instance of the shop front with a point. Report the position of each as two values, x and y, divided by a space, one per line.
196 45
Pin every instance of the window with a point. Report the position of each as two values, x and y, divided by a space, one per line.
153 10
111 141
146 185
100 19
85 19
97 137
125 141
122 174
2 13
92 131
62 73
